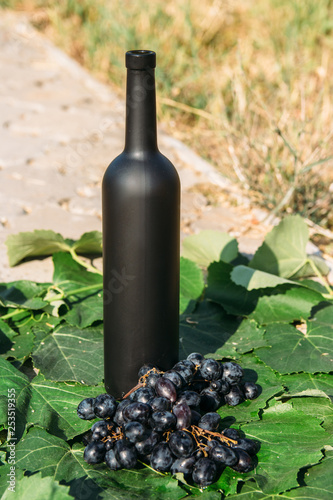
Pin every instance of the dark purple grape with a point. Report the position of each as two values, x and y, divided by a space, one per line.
159 403
231 433
195 417
161 457
165 388
125 453
184 465
99 430
118 416
175 378
195 358
224 455
232 372
142 395
85 410
105 406
251 447
87 438
250 390
199 385
146 447
162 421
210 421
185 363
111 461
210 369
109 444
138 412
135 431
204 472
210 400
94 452
152 378
221 386
181 444
191 398
145 369
183 414
234 397
245 463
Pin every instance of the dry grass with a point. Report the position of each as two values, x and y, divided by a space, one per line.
245 83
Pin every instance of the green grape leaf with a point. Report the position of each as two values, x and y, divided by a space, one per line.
291 350
283 251
6 338
37 487
69 275
286 306
206 329
10 473
209 246
53 406
37 243
191 283
317 407
290 439
247 337
89 243
14 385
235 299
252 279
308 384
71 354
23 294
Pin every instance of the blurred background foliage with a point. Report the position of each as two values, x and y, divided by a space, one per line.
245 83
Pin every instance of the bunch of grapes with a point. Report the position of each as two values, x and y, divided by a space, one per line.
169 421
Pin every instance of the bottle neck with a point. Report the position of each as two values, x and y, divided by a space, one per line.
141 134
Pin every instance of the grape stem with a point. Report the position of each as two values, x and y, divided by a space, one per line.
142 381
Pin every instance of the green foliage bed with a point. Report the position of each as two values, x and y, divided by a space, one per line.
266 313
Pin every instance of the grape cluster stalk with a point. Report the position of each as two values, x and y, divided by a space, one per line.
169 422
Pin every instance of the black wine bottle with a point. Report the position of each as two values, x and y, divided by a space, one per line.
141 219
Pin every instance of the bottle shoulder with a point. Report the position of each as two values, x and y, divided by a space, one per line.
141 167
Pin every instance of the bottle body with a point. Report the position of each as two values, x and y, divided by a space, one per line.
141 214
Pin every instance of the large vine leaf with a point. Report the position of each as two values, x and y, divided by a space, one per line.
43 242
308 384
89 243
253 279
53 406
248 336
283 251
235 299
14 385
286 306
71 354
37 487
206 329
22 294
291 350
191 283
69 275
290 439
209 246
37 243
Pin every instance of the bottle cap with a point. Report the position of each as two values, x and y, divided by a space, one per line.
140 59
